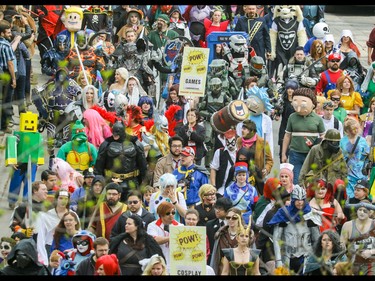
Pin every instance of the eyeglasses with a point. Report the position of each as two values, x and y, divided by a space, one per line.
209 194
170 213
5 247
234 218
335 99
335 61
133 202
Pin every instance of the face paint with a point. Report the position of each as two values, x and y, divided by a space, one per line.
82 246
231 144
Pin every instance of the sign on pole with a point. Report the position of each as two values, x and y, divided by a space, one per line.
194 71
187 250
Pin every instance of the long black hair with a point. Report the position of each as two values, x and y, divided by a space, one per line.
143 240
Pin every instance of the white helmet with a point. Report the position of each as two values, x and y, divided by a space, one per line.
237 43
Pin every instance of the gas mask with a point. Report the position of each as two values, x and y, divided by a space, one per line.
332 146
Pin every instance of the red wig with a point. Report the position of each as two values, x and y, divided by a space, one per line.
270 186
337 183
134 113
110 264
310 191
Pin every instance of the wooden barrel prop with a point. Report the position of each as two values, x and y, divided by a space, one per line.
229 116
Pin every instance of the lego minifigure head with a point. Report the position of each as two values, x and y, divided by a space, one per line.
29 122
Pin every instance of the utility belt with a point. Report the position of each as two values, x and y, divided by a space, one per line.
111 174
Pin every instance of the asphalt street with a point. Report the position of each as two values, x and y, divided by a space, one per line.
359 20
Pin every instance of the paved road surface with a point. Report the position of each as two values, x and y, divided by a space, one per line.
359 21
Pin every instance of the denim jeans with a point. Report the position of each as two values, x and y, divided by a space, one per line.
19 177
296 159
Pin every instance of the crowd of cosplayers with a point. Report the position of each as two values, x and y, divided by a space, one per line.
126 150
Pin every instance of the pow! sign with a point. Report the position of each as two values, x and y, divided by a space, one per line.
188 250
194 71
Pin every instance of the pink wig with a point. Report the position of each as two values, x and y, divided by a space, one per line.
288 172
96 127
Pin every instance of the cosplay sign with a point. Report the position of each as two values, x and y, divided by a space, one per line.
187 250
194 71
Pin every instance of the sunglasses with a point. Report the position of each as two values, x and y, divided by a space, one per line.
335 60
5 247
133 202
169 213
335 99
234 218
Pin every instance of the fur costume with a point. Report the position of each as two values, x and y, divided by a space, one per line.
66 265
70 179
286 33
109 116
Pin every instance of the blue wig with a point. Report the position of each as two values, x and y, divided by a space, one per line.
148 100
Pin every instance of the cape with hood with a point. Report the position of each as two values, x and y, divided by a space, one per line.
28 247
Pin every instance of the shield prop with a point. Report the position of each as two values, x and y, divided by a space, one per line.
173 47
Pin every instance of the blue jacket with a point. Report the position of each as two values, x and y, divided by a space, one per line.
197 179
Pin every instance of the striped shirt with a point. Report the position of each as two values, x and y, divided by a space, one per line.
6 54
